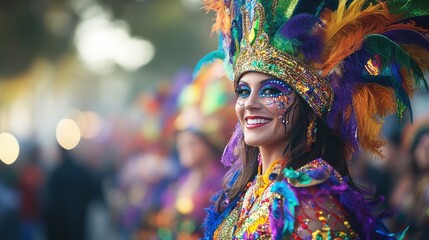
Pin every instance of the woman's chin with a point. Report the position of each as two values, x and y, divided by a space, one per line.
253 142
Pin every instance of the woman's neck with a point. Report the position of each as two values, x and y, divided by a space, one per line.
268 156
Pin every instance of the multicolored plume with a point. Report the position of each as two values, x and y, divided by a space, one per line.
368 56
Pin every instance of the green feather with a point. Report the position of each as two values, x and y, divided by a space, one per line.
207 59
409 8
390 53
276 17
289 46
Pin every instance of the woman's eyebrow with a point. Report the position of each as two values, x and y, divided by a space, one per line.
272 79
241 82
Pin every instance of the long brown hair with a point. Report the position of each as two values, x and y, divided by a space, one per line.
328 145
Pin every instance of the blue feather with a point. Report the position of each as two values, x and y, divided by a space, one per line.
207 59
289 204
214 218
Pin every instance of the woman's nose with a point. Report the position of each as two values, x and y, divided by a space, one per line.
253 101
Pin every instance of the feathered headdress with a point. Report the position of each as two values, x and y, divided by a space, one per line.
353 62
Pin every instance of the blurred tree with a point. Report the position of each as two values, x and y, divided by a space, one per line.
45 28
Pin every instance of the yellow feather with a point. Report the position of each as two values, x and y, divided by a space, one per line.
346 16
347 27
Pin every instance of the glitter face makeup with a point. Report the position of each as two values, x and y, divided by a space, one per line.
263 107
273 93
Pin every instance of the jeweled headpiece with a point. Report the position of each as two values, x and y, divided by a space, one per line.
353 62
257 54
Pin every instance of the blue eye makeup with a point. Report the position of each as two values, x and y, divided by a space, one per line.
271 91
272 88
242 90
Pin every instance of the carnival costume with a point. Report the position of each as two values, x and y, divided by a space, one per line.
352 62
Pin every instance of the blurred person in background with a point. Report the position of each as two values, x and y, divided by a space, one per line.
381 175
202 127
9 202
144 171
411 195
31 181
68 192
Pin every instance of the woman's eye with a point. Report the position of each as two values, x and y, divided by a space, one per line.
242 92
270 92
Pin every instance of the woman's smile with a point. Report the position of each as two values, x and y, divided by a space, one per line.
256 121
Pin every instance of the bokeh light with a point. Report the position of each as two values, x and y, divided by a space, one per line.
9 148
184 205
89 123
103 43
68 134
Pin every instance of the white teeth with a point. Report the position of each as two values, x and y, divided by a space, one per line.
257 121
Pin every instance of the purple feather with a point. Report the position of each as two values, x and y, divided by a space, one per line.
420 21
302 28
355 203
297 26
407 36
354 66
282 211
276 220
229 156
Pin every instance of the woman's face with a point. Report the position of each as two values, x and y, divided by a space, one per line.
192 149
262 102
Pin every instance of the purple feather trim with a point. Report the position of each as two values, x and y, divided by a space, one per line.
356 204
229 155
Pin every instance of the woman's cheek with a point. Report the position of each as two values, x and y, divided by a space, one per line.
280 103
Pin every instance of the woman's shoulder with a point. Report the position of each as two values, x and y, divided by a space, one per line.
326 204
312 174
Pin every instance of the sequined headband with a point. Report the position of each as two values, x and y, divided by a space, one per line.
258 55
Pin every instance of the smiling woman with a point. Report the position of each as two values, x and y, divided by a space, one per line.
313 80
262 103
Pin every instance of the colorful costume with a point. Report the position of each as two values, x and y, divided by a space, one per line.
313 202
352 62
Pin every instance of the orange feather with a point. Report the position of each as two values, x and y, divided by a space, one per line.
223 21
347 27
408 81
418 54
371 102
